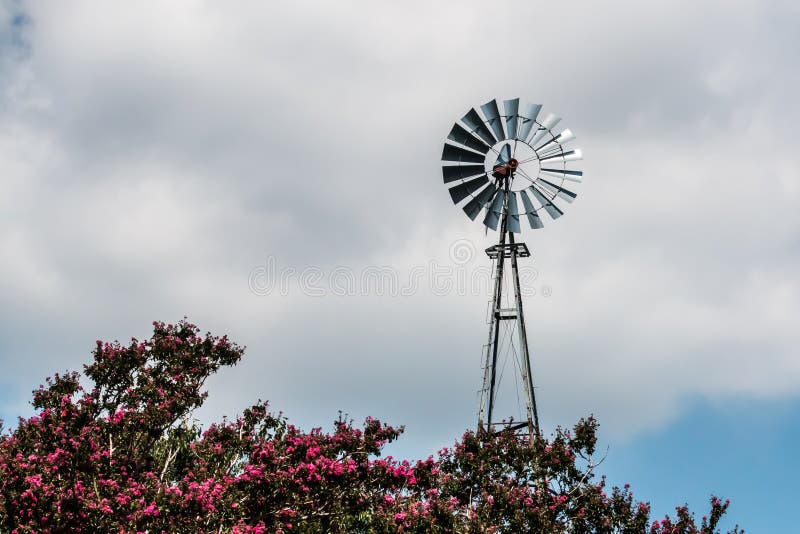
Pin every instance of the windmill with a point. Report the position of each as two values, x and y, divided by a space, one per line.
510 165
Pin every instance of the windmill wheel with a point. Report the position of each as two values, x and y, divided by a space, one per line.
510 163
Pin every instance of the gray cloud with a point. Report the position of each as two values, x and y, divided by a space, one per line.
152 158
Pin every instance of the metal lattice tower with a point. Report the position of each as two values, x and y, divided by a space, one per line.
492 159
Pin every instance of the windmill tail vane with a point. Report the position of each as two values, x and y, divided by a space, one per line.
511 165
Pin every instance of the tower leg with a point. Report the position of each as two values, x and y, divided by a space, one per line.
490 369
527 375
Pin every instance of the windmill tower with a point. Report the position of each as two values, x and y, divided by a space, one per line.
509 164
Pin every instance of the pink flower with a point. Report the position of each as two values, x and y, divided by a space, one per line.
151 510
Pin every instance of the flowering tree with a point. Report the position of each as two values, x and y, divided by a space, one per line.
122 456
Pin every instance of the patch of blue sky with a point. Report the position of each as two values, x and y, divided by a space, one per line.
742 449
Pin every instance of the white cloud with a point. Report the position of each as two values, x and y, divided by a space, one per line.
153 156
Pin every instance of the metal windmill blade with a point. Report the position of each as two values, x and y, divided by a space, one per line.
465 189
492 114
461 172
544 129
463 137
528 118
557 190
513 213
563 174
530 212
476 125
479 201
460 155
547 203
495 210
511 108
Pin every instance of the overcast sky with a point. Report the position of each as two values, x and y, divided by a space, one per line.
157 158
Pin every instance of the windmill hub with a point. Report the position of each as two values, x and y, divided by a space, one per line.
505 171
